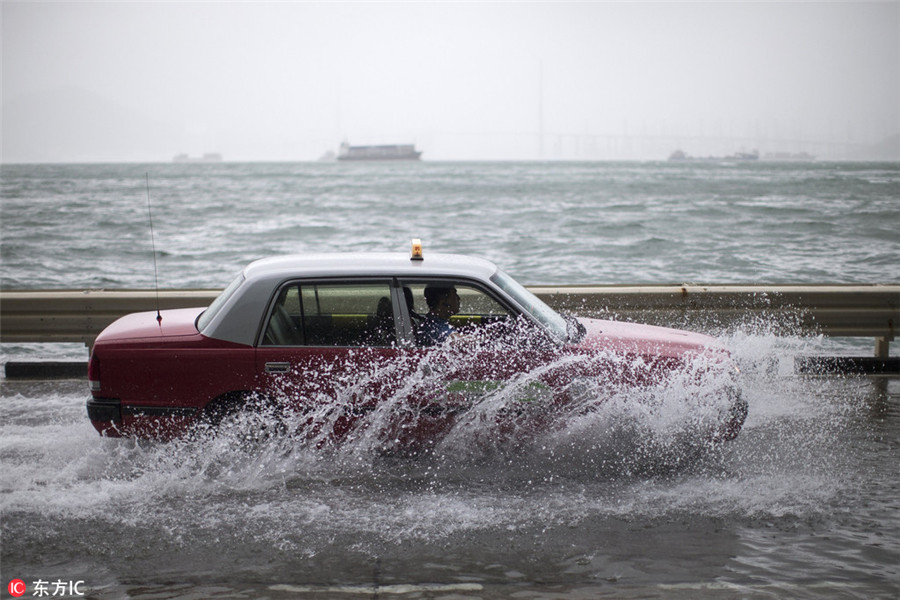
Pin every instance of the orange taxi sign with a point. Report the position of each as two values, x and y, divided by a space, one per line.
415 249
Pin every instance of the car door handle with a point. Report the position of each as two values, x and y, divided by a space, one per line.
278 367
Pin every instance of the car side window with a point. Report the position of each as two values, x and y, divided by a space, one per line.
332 314
475 309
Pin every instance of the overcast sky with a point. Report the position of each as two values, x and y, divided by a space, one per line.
291 80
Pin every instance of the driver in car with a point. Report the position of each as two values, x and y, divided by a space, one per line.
443 303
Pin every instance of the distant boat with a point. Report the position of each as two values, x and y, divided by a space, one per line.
385 152
206 158
681 155
744 156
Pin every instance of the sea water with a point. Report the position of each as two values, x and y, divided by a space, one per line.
805 503
67 226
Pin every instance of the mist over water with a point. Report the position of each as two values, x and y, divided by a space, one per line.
804 503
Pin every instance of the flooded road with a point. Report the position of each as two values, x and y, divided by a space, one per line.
803 504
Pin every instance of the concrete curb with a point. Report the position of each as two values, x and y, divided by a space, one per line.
863 365
46 370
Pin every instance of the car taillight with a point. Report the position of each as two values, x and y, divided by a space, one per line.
94 373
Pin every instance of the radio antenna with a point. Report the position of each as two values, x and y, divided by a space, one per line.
153 244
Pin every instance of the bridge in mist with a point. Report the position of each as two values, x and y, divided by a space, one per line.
638 146
661 146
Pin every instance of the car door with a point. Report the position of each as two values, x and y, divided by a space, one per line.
329 349
489 342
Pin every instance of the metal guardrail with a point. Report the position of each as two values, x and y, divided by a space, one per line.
80 315
871 311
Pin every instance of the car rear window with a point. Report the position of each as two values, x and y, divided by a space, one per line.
206 316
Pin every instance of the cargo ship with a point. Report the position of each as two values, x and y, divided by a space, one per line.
384 152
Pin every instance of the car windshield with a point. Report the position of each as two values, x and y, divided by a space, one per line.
555 324
207 315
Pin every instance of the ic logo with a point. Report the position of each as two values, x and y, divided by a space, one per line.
16 588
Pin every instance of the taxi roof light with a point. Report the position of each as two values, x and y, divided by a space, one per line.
415 250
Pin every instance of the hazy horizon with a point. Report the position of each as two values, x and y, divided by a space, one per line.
145 81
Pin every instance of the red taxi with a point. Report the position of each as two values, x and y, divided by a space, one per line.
339 335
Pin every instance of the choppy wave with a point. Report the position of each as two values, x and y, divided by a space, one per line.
545 223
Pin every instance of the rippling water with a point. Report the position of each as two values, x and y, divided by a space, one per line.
545 223
804 504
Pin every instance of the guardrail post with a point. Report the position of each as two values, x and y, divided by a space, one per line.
882 347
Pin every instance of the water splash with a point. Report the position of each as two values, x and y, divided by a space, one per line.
280 503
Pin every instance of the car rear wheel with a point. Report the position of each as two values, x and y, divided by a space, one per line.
248 417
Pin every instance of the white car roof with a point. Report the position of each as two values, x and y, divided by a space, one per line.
369 264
